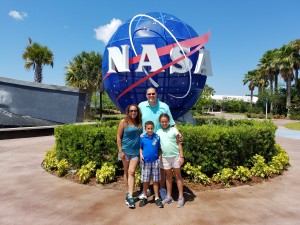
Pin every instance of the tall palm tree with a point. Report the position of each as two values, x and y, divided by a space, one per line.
84 71
269 70
36 56
265 68
285 61
275 68
251 77
295 45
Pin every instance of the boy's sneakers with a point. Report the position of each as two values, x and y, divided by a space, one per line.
163 193
159 203
180 202
141 196
143 202
168 200
130 202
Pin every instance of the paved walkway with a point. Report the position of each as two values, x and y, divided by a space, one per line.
31 196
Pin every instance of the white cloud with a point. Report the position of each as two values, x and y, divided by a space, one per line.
104 33
17 15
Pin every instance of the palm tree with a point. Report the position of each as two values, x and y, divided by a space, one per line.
265 68
275 68
269 69
285 61
295 45
251 77
36 56
84 71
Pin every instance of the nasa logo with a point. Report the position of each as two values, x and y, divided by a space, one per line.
156 50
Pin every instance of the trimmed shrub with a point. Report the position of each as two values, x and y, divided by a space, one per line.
217 147
260 168
50 161
62 168
213 147
86 171
80 144
242 174
224 177
195 174
106 174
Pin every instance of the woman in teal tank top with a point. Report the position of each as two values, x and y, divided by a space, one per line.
128 140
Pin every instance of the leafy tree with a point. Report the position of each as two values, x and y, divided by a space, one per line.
205 101
295 108
84 71
36 56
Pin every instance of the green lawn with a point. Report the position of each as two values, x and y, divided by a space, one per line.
293 126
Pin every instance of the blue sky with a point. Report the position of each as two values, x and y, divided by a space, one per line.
241 31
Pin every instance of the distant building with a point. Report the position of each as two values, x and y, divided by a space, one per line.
244 98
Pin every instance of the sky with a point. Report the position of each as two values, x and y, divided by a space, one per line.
241 32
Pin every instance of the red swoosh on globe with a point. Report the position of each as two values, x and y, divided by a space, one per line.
166 49
201 40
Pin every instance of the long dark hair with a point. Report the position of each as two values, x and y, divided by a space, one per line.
138 118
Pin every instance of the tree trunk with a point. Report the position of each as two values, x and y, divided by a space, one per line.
38 73
296 78
276 83
271 91
87 104
288 96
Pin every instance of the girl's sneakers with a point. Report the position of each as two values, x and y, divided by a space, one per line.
180 202
168 200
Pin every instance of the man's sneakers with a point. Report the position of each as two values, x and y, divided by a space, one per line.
159 203
143 202
130 201
141 196
163 193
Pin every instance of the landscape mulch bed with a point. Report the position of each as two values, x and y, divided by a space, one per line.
118 183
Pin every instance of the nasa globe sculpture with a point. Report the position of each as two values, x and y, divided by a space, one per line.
156 50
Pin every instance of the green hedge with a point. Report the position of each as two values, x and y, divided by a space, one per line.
213 147
80 144
216 147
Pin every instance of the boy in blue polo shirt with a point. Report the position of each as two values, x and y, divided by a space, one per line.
149 155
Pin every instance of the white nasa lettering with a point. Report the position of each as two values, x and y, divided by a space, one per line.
185 64
121 61
153 59
203 65
117 59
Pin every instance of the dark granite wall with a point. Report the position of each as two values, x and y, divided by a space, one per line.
50 102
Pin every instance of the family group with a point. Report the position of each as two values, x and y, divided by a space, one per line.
148 137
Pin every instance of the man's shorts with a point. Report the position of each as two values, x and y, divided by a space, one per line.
170 162
150 171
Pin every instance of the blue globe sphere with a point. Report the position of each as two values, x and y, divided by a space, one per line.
179 90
